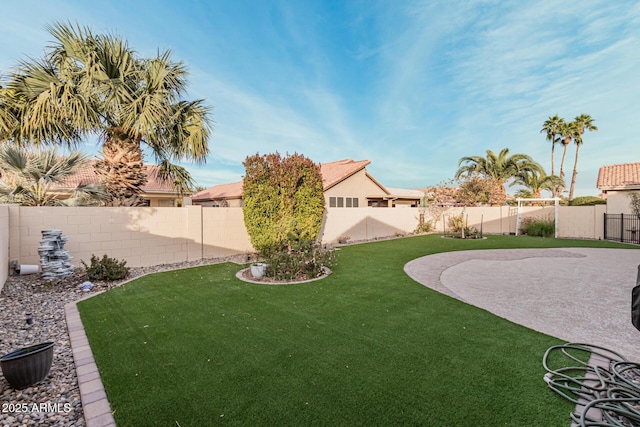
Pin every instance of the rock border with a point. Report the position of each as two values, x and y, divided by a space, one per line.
240 275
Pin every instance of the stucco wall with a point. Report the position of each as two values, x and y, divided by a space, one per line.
142 236
224 233
149 236
582 222
618 202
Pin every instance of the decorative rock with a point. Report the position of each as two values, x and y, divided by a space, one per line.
28 294
86 286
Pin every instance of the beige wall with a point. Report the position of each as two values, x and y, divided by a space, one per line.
142 236
582 222
618 202
367 223
358 185
149 236
224 233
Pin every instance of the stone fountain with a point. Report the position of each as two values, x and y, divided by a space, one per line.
54 258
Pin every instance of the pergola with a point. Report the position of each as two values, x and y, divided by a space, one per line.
556 204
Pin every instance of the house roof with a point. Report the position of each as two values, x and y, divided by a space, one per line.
621 176
335 172
87 175
332 173
223 191
405 193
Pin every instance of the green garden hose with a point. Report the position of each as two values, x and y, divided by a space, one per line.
603 384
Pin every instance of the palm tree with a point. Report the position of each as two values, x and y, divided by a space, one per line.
583 122
499 168
568 131
96 84
536 181
28 178
552 128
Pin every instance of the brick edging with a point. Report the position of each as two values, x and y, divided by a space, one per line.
95 406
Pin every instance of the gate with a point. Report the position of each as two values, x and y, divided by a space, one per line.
622 228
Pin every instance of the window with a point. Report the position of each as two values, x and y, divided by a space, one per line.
343 202
166 203
378 203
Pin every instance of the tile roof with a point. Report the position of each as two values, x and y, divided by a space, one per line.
87 175
619 176
336 172
223 191
332 174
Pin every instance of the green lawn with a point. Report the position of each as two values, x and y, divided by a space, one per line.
365 346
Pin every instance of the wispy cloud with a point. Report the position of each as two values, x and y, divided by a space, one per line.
411 85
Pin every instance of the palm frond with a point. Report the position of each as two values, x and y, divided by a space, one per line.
179 176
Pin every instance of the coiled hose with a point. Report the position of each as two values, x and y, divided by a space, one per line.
603 384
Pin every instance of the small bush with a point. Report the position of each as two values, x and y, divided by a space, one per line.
298 260
343 239
457 226
107 269
538 227
587 201
456 223
425 227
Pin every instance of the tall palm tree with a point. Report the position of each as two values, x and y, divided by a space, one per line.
96 84
583 122
568 132
537 181
28 178
500 168
552 128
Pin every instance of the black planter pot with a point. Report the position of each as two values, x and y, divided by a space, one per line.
28 365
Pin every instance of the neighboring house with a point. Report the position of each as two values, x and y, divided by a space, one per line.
225 195
157 192
616 183
346 183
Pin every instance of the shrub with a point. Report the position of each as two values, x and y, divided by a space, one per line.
538 227
281 197
298 260
425 227
343 239
283 210
105 268
587 201
457 225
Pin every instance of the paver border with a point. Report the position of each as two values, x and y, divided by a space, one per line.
95 405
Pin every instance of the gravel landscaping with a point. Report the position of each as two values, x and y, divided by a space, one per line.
56 400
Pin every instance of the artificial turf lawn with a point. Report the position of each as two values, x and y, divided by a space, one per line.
365 346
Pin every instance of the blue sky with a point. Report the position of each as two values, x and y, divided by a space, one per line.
410 85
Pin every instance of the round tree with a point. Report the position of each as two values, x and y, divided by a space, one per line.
283 201
283 210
